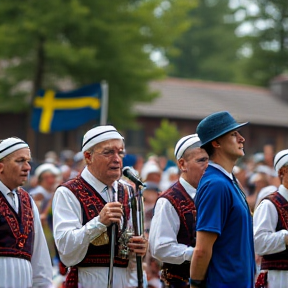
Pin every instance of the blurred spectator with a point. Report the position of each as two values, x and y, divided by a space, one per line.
150 194
66 172
269 153
47 176
139 163
169 177
240 173
51 157
67 163
258 180
151 176
258 158
261 177
67 157
151 172
79 164
135 162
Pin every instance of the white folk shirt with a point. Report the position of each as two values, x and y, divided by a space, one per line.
267 240
72 238
17 272
164 228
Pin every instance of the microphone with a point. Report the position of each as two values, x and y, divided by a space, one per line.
127 172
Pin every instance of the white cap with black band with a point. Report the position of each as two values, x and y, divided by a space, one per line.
11 145
281 158
99 134
184 143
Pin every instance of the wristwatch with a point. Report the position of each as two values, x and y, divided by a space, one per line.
197 283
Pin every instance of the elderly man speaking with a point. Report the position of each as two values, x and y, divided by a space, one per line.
84 209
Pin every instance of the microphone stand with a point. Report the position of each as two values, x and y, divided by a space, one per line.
137 209
112 251
112 254
137 215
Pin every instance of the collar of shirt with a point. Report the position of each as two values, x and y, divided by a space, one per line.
189 189
283 191
94 182
5 190
219 167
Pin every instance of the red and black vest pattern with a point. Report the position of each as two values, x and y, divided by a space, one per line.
92 203
186 211
278 261
16 229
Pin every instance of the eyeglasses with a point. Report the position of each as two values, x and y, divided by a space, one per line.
111 153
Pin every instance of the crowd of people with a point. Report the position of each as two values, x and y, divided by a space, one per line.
212 216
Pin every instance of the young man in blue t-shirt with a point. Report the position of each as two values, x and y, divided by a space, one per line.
224 252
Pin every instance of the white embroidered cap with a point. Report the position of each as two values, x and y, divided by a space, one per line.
10 145
45 168
281 158
99 134
186 142
149 167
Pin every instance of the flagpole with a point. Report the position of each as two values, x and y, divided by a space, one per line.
104 104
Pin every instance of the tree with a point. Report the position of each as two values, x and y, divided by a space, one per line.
166 137
46 44
208 50
266 41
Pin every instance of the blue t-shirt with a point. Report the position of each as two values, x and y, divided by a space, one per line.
222 209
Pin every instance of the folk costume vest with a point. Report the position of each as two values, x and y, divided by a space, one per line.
91 204
278 261
186 211
16 229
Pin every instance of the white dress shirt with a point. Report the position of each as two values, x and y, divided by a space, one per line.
164 229
72 238
267 240
17 272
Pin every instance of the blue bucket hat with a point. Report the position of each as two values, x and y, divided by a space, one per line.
216 125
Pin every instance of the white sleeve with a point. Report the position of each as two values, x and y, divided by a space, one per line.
41 260
164 228
71 237
266 239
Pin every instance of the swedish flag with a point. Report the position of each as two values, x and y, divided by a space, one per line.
62 111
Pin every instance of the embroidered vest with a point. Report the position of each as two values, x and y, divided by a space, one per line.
91 204
16 229
186 211
278 261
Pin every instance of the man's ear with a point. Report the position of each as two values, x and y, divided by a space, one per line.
181 165
88 157
215 144
281 172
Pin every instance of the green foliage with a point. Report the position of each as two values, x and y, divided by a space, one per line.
267 42
44 44
165 139
208 50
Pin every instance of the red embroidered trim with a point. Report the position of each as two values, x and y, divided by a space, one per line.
261 281
25 209
183 206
